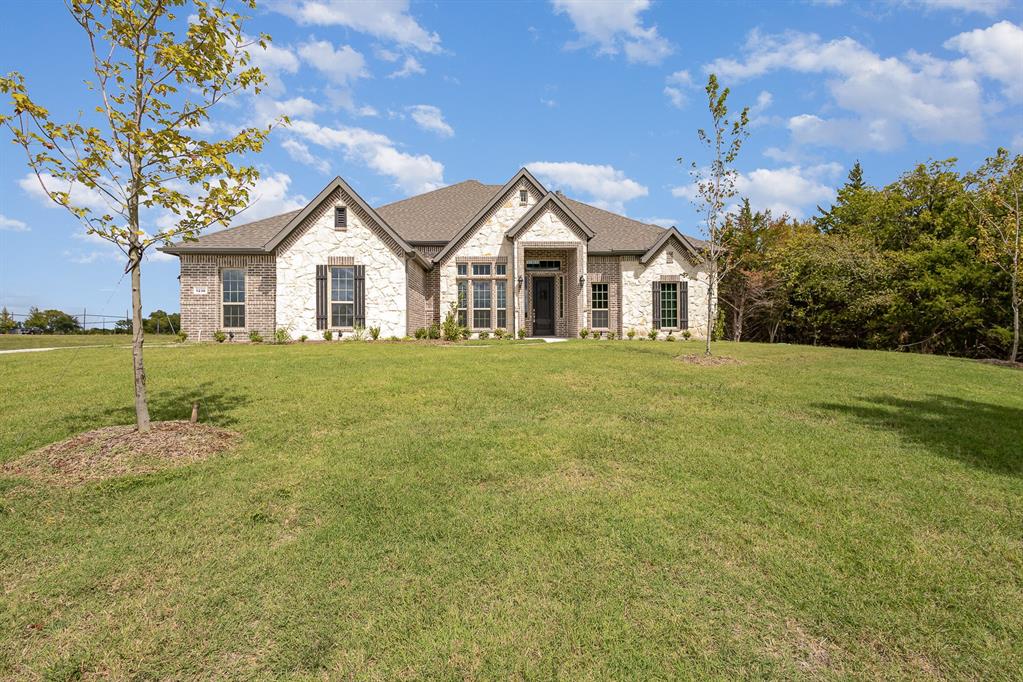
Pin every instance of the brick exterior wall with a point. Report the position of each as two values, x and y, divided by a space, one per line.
416 311
432 301
202 314
608 270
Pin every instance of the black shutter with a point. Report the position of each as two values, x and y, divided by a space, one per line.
657 304
683 304
321 296
360 295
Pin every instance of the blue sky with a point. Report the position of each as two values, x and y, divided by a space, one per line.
597 98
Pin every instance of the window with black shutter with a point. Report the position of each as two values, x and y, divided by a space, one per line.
360 295
321 296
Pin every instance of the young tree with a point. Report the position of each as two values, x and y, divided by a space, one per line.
715 186
158 75
995 199
7 323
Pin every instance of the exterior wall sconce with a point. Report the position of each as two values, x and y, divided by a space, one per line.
521 280
582 280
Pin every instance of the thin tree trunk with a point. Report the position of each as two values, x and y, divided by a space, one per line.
1014 353
141 401
711 292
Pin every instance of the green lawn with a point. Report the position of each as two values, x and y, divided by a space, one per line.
583 510
15 341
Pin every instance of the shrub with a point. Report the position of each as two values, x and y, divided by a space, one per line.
522 333
500 333
281 335
584 332
328 335
452 330
374 332
182 337
596 335
466 333
219 336
671 337
303 338
395 338
611 336
255 337
686 334
631 334
359 332
422 333
485 335
652 334
434 332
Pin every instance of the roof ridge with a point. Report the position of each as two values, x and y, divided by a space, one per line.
432 191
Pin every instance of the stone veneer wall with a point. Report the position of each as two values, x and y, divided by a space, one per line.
363 242
669 263
608 270
202 314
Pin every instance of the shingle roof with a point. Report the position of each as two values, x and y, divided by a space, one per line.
438 216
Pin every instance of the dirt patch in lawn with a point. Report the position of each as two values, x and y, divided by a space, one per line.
121 451
1003 363
707 360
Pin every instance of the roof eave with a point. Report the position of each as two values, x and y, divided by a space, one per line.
234 250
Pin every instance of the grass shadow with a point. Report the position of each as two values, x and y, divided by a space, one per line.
216 407
983 435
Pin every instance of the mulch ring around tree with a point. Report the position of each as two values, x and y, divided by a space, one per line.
121 451
707 360
1003 363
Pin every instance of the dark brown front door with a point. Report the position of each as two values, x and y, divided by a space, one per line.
543 306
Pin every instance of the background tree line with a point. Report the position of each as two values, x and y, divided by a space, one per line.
929 263
54 321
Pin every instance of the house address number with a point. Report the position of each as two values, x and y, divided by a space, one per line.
200 291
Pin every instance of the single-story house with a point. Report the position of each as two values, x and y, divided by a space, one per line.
513 256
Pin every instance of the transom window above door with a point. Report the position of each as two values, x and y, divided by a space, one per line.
541 265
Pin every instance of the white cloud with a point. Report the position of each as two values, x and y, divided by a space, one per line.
615 27
932 99
383 19
605 186
266 110
988 7
996 52
677 84
12 224
792 190
300 152
412 173
1017 142
411 67
550 103
343 65
429 117
269 196
273 61
81 195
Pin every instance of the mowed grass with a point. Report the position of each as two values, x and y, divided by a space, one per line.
18 341
583 510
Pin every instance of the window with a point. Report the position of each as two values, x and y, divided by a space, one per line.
502 303
669 305
481 269
340 218
462 269
501 269
234 298
342 297
463 297
523 197
481 304
543 265
598 293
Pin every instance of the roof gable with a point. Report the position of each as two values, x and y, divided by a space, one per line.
692 255
549 199
496 200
